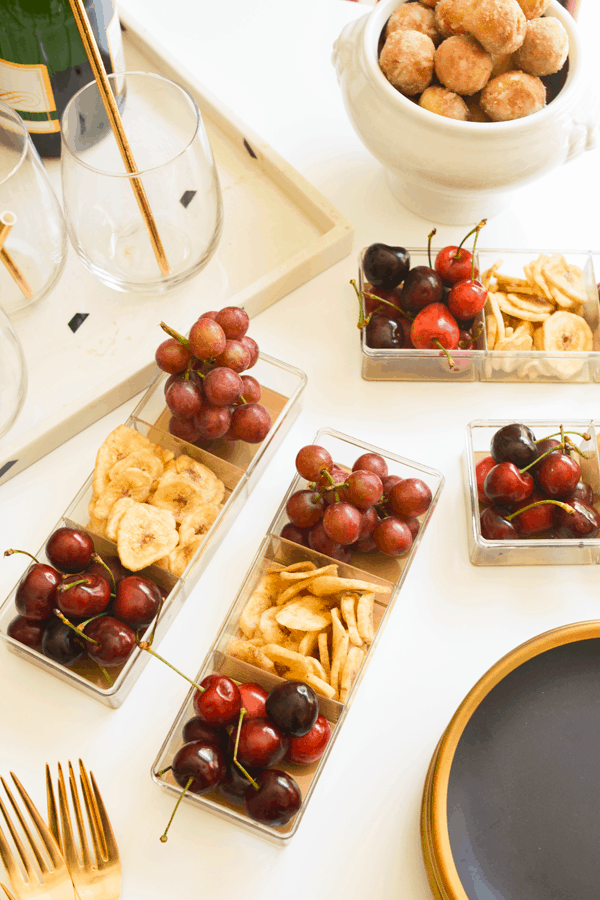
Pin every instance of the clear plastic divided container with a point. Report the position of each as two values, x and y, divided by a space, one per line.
538 550
484 363
237 464
374 568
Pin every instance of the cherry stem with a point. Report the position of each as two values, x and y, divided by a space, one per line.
162 771
175 334
104 672
431 234
445 351
78 629
235 750
163 837
584 436
540 458
364 320
564 506
26 552
98 559
472 231
144 645
361 305
65 587
477 230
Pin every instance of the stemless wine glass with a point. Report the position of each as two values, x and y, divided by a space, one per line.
13 374
33 255
175 166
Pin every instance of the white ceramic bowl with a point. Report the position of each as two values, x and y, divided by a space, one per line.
450 171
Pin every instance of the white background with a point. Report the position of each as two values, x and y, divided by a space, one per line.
269 61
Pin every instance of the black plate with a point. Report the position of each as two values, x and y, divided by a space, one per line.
523 797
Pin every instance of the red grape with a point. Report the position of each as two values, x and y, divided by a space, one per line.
207 339
251 422
252 348
184 398
184 429
212 422
293 533
372 462
410 497
392 536
318 540
234 321
305 508
222 386
312 460
363 489
368 522
235 356
251 390
172 357
341 522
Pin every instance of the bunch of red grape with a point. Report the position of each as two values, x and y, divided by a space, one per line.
207 395
423 307
342 512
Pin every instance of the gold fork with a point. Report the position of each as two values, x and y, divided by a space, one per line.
48 875
95 876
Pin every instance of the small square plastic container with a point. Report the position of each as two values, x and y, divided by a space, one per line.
387 572
237 464
85 675
483 363
537 550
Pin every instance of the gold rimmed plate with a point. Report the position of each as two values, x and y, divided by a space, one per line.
511 806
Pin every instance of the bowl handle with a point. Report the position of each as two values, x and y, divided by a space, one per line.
346 46
584 131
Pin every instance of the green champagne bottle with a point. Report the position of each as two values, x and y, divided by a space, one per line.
43 61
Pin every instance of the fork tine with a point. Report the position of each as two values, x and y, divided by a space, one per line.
51 802
42 829
109 836
7 892
83 842
93 814
15 836
6 855
68 844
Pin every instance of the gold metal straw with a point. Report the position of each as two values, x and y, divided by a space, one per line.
7 220
95 60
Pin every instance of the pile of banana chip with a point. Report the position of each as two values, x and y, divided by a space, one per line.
542 311
308 624
154 506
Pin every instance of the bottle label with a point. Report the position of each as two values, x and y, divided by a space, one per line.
27 89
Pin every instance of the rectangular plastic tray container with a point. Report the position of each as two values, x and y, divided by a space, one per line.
237 464
274 549
536 550
483 364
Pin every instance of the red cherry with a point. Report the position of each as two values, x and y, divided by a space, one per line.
221 701
261 742
36 594
495 527
454 265
507 486
311 746
537 519
466 299
137 601
80 596
70 549
434 326
254 698
115 641
558 475
276 801
481 470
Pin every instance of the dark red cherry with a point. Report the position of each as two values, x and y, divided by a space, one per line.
221 701
277 800
557 475
505 485
61 643
261 742
137 602
514 443
235 784
114 641
536 519
293 705
384 266
197 730
70 549
116 567
36 593
83 595
311 746
381 333
582 492
202 762
466 299
422 287
495 527
26 632
583 523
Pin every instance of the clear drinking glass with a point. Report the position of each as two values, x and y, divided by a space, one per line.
35 249
175 165
13 374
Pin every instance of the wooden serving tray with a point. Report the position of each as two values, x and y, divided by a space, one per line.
89 348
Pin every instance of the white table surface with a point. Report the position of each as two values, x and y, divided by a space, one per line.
269 60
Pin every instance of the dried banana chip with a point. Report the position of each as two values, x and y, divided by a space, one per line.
198 521
331 584
145 535
249 653
305 614
182 555
350 671
133 483
260 600
115 516
566 331
323 644
491 331
208 485
143 459
178 495
348 607
321 686
119 444
364 617
566 278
